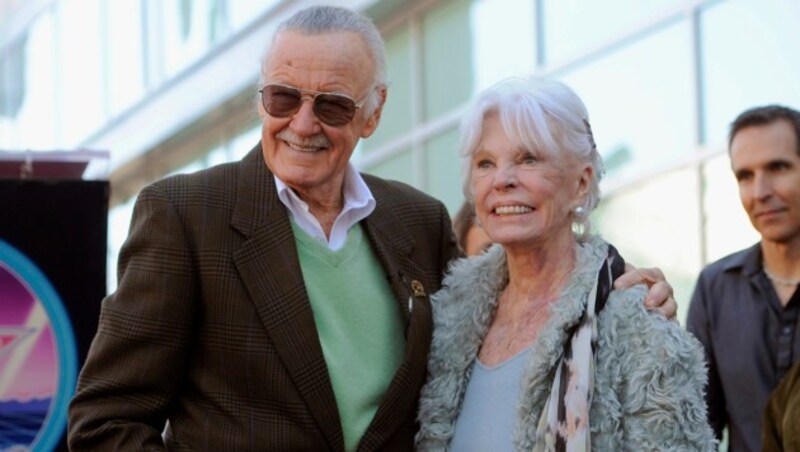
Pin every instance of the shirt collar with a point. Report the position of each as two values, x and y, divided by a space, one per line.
358 204
748 262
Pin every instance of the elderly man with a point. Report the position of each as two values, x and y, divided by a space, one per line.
746 306
279 306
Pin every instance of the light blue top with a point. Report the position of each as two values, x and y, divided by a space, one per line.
488 413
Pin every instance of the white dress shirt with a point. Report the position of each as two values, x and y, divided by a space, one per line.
358 204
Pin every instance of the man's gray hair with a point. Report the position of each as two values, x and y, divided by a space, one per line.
317 20
538 115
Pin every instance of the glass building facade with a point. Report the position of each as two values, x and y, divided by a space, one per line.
169 86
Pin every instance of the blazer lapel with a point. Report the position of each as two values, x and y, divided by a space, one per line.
393 250
270 270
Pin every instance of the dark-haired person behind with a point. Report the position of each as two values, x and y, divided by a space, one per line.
745 309
533 349
469 235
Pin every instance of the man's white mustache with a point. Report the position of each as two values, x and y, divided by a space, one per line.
315 141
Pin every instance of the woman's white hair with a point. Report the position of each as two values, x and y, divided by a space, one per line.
541 115
317 20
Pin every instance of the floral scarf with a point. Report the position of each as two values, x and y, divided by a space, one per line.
564 423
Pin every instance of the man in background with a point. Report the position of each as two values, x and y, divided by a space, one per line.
746 306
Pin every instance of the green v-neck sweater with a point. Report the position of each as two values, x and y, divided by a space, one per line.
359 323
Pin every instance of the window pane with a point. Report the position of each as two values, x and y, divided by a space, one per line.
447 57
189 168
13 86
125 58
497 55
396 115
189 28
81 71
640 101
396 168
245 142
28 114
727 228
646 221
443 168
751 51
216 157
242 12
119 220
572 26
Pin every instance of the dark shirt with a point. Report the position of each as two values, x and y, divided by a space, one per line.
750 341
782 416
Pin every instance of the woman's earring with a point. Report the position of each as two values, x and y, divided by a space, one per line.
579 211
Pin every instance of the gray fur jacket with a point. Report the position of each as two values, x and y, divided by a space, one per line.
649 372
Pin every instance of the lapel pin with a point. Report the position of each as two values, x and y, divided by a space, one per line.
417 288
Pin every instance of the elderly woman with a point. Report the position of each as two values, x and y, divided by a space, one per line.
533 349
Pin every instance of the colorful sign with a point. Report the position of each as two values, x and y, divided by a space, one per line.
38 363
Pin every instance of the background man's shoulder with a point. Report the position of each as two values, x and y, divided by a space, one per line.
732 261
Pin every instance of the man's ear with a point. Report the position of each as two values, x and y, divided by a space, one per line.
375 118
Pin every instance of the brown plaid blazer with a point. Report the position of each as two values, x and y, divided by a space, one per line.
210 332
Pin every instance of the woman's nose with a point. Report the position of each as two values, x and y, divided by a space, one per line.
505 178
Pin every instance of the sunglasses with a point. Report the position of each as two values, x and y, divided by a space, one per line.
282 101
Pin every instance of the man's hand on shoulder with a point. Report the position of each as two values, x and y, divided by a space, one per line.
659 296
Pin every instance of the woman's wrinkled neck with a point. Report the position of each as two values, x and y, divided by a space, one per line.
541 268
